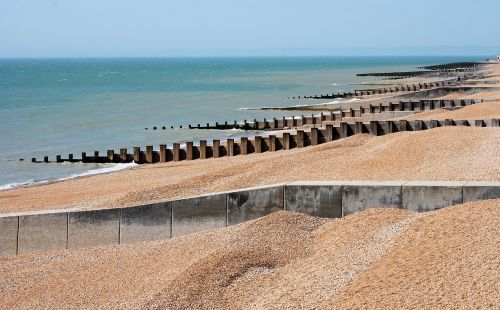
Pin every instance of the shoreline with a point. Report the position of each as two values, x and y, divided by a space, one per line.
172 180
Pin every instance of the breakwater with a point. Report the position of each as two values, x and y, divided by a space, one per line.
321 128
30 232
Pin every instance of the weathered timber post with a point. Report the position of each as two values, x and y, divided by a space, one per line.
258 144
46 159
123 155
203 149
358 126
163 153
176 151
70 157
244 146
272 143
314 136
230 147
110 154
329 133
33 159
374 128
58 159
300 138
216 148
286 140
189 150
343 130
137 154
149 154
96 156
84 157
403 125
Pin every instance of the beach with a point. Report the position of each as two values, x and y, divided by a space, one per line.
384 257
391 258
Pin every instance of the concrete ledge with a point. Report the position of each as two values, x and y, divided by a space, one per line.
8 235
479 190
252 203
43 232
422 196
322 199
146 223
198 214
59 229
89 228
361 195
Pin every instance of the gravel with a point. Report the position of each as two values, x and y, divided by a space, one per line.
445 153
380 258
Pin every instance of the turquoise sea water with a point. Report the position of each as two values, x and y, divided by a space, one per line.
61 106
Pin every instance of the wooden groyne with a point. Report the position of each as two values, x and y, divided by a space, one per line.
320 132
454 66
386 90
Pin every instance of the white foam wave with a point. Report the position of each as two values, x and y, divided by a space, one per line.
112 168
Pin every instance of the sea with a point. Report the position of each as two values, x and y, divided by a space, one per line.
61 106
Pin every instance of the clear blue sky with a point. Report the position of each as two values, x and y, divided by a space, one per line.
95 28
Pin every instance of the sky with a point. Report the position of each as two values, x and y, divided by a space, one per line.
156 28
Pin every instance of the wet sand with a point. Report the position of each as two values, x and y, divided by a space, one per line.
383 258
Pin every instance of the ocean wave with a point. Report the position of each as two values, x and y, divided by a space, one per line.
112 168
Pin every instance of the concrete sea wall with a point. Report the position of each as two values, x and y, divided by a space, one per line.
32 232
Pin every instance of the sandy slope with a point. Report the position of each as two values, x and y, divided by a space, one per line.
448 153
485 110
383 258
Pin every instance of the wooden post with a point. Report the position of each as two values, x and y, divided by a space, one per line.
300 138
58 159
46 159
328 133
33 159
244 146
286 140
96 156
189 150
84 157
343 130
230 147
203 149
70 157
314 136
137 154
149 154
258 144
272 143
176 151
374 128
358 127
123 155
163 153
216 148
403 124
111 155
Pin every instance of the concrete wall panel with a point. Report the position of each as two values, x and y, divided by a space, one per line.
479 190
198 214
8 235
90 228
361 195
322 199
145 223
423 196
43 232
249 204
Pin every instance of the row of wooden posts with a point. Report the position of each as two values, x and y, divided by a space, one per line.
245 145
361 92
297 121
271 143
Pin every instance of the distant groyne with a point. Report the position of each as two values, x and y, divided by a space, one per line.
321 128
